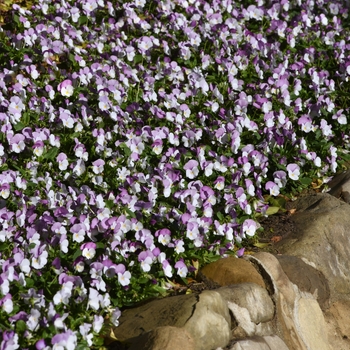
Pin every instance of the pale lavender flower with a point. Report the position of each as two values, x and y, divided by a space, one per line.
66 88
293 171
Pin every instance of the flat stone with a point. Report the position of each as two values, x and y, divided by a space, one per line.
231 270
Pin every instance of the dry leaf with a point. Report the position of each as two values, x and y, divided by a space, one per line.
276 239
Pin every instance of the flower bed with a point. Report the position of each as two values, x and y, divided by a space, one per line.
140 140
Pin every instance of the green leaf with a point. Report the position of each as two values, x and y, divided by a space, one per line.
142 280
277 202
77 254
3 246
261 245
19 126
29 283
100 245
220 216
82 20
137 59
306 181
126 149
21 326
130 213
272 210
51 154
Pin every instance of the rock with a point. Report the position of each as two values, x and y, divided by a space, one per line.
323 240
251 297
306 277
231 270
204 317
164 338
252 309
294 309
339 186
338 325
260 343
210 322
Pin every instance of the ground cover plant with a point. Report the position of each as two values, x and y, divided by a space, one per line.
142 139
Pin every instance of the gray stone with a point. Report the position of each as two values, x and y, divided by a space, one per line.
251 297
323 240
260 343
306 277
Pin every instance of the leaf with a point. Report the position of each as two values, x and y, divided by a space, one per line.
100 245
195 264
20 326
272 210
261 245
220 216
51 154
276 239
130 213
19 126
306 181
77 254
29 282
278 202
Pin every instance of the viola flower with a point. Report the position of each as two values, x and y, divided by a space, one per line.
38 148
182 269
98 166
62 161
249 227
191 168
66 88
273 188
88 250
293 171
17 143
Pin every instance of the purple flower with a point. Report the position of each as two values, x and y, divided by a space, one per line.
293 171
249 227
17 143
191 168
66 88
66 340
182 269
88 250
273 188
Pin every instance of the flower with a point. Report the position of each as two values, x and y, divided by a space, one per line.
293 171
182 269
88 250
249 227
66 88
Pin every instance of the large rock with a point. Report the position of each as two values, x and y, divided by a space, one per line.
260 343
323 240
231 270
300 322
306 277
164 338
205 317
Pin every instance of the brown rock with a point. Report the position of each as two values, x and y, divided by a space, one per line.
231 270
164 338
